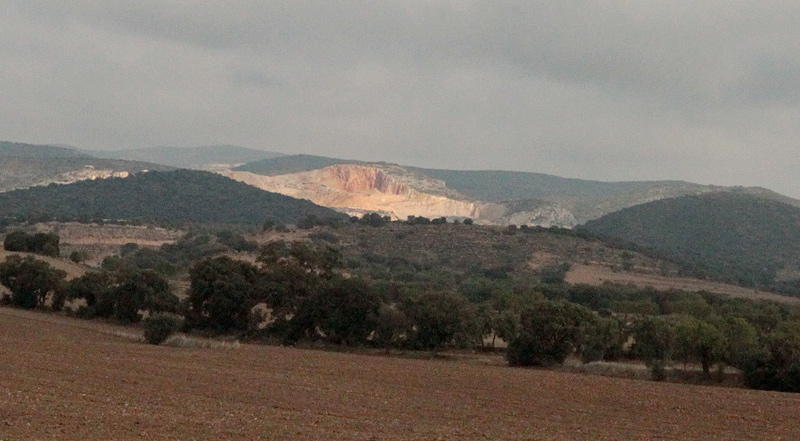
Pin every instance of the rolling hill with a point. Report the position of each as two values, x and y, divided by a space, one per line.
180 196
21 173
189 157
286 165
28 165
733 235
489 197
22 150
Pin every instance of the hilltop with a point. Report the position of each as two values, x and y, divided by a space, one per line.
732 235
28 165
22 150
189 157
181 196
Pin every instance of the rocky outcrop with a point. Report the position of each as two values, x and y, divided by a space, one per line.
354 188
391 190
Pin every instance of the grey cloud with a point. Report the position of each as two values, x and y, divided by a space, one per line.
593 89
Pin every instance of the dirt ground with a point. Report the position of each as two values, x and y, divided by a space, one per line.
597 274
65 379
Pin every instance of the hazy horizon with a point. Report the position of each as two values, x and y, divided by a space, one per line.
612 91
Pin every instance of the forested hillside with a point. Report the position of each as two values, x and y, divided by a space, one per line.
181 196
732 235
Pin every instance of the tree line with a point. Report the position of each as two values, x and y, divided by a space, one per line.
300 292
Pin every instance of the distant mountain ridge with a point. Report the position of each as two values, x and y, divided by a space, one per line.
356 187
22 150
28 165
488 196
161 197
188 157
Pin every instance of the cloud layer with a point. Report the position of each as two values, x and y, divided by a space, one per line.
614 90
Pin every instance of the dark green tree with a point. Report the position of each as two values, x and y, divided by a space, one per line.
603 339
96 288
31 281
344 311
222 294
295 273
777 365
160 326
391 325
437 317
16 241
698 340
46 244
143 290
742 340
549 332
654 343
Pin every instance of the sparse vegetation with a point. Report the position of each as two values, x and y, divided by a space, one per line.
356 285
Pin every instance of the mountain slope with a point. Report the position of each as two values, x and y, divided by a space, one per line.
160 197
730 234
191 157
490 197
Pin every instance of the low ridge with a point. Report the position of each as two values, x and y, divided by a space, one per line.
159 197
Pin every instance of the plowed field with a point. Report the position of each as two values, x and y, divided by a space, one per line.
63 379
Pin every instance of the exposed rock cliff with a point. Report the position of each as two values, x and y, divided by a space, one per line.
394 191
355 188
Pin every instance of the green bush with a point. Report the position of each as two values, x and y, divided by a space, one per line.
160 326
31 281
46 244
549 332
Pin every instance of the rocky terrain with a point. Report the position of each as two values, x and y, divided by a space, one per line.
388 190
355 187
488 197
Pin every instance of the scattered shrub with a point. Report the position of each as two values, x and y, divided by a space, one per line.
78 256
160 326
46 244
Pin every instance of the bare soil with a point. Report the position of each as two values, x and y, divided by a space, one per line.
598 274
66 379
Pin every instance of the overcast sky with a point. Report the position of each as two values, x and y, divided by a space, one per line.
705 91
